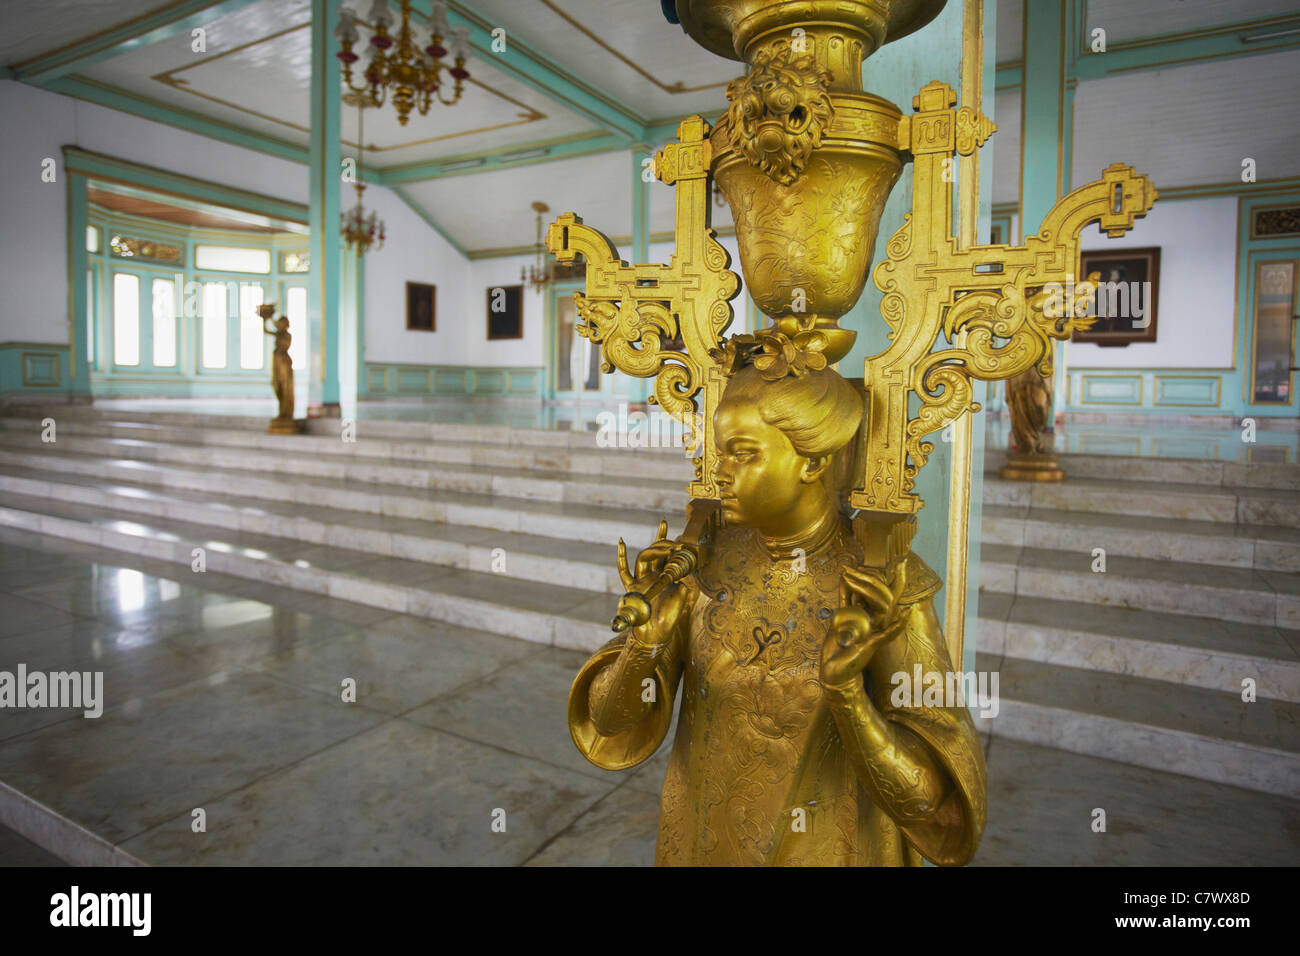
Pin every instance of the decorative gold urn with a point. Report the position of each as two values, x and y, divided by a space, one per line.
804 157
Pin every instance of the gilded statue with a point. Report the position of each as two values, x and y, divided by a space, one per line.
1029 399
784 625
785 653
281 368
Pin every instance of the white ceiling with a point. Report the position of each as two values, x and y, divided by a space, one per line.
32 28
256 74
1126 20
1229 109
624 47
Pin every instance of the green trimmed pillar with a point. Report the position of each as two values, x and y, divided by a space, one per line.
78 306
1047 106
325 288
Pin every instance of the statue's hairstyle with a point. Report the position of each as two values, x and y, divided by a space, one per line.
818 410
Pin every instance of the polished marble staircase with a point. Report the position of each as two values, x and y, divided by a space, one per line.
511 531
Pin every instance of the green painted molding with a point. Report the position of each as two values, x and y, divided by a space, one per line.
428 220
504 157
83 89
1009 75
546 77
1191 46
99 165
177 17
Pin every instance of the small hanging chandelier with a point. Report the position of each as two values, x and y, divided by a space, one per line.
359 230
541 275
413 76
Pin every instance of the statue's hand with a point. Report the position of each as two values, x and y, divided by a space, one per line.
656 618
850 644
868 618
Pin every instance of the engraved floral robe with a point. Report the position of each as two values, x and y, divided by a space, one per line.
757 740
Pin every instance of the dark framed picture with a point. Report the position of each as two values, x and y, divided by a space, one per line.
1127 296
421 307
505 312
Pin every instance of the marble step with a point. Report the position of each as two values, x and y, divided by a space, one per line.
665 464
1215 474
1195 651
1265 547
291 464
386 427
531 557
1252 506
1206 734
578 520
543 613
1268 598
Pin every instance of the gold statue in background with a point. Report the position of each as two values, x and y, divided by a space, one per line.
791 613
1029 402
281 371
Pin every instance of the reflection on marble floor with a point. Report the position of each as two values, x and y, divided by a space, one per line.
224 694
516 413
1164 437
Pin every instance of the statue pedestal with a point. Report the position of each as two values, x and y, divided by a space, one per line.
287 426
1039 467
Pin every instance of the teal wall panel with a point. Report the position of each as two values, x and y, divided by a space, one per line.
388 380
1112 389
1188 390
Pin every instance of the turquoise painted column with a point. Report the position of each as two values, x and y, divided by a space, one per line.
897 72
1047 121
78 356
641 387
363 379
324 290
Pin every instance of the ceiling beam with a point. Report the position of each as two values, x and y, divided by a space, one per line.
538 72
505 157
139 32
1193 46
113 98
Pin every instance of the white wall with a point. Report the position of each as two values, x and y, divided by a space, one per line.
1197 291
413 252
33 244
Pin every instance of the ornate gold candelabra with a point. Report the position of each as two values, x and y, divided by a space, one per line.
401 67
806 159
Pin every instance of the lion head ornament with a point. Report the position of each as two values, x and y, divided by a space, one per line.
778 112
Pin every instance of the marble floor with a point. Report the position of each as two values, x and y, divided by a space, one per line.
225 695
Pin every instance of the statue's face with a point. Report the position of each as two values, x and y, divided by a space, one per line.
760 475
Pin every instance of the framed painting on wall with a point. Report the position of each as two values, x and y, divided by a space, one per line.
505 312
421 307
1126 296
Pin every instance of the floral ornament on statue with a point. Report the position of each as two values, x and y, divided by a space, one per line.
773 353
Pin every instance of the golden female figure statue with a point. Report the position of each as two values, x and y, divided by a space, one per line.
790 623
1029 400
281 365
790 748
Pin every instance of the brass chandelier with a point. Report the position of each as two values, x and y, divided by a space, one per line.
359 230
399 67
540 275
